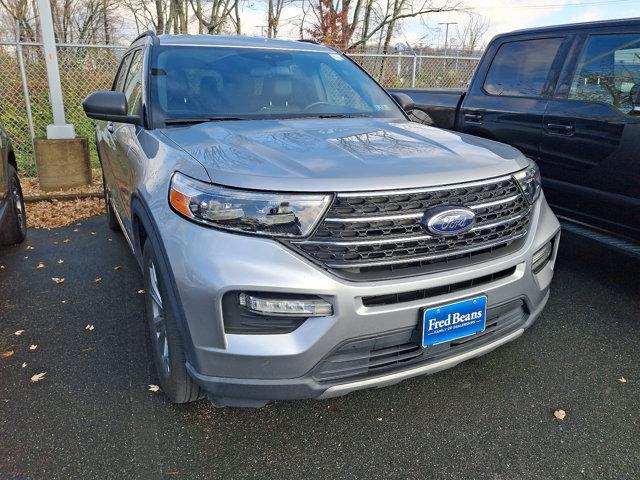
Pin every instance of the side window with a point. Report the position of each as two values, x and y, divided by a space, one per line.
608 70
521 68
133 84
118 84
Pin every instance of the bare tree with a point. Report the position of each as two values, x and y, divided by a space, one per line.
220 14
337 21
149 15
472 31
274 14
23 13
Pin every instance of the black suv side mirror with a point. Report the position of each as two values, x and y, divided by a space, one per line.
110 106
404 100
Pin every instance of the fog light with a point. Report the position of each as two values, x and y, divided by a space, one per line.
308 307
541 257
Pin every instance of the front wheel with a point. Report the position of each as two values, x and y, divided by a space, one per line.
14 229
168 348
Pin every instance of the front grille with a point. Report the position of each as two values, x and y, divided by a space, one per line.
379 234
391 352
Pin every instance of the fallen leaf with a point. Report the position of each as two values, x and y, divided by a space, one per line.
98 280
64 301
55 243
154 388
117 267
1 267
89 327
622 380
60 261
93 233
75 229
7 354
57 280
40 265
33 347
18 332
141 291
29 247
24 364
66 240
37 377
560 414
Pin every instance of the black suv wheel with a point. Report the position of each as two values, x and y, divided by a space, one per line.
14 229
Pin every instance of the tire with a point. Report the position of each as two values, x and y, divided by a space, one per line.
14 228
112 220
166 341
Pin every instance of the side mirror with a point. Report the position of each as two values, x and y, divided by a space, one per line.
110 106
404 100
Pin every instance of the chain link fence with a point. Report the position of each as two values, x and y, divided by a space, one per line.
418 71
85 68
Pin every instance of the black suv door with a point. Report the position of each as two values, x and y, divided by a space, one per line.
509 93
590 150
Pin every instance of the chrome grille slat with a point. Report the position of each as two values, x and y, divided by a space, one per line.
413 238
383 230
420 259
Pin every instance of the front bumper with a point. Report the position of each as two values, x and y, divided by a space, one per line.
235 368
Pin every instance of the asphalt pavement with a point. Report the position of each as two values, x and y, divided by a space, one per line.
93 416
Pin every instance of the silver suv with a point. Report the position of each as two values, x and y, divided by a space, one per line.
299 236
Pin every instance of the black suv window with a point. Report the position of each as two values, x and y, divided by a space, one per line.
608 70
521 68
133 85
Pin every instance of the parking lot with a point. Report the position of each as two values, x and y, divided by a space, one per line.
93 416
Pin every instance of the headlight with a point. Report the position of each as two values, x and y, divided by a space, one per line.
260 213
529 181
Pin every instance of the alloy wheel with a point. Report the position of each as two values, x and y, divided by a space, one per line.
159 324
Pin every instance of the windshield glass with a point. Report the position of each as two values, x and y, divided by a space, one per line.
201 82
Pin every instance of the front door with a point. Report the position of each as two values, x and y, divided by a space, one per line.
508 104
125 135
589 155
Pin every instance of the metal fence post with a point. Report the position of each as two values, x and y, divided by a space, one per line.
59 129
25 85
413 73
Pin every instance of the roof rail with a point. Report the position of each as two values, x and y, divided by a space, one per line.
142 35
309 40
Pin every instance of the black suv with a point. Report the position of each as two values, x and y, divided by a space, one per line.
568 97
13 219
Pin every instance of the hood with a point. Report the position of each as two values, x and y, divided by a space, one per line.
353 154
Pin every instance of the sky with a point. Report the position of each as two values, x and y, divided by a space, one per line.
503 15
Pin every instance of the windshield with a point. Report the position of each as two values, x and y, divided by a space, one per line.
237 83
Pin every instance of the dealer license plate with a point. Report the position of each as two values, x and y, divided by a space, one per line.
456 320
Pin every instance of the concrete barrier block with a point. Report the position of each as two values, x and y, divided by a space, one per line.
62 163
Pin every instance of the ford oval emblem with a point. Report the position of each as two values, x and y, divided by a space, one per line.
448 220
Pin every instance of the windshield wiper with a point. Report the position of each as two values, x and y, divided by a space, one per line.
175 121
342 115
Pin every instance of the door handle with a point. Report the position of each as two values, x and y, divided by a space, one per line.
560 128
473 117
110 127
